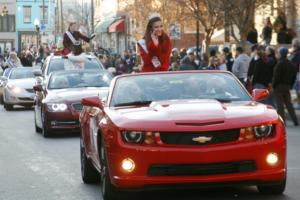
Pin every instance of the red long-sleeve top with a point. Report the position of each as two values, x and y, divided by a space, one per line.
162 54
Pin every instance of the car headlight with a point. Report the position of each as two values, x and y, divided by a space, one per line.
135 137
14 88
250 133
57 107
263 130
140 137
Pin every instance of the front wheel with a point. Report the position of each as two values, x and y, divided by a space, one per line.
8 107
272 189
88 172
109 191
45 131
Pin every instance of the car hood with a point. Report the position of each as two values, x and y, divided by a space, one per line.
192 115
74 94
26 83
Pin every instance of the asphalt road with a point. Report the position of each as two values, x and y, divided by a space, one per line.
35 168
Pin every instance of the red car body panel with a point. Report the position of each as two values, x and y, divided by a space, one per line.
184 116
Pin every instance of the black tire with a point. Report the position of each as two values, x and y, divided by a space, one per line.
37 129
277 189
109 191
45 131
88 172
8 107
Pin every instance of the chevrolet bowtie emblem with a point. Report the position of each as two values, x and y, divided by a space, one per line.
202 139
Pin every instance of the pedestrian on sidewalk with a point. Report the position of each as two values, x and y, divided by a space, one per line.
155 47
241 65
283 79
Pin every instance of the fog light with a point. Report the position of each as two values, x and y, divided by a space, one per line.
272 159
128 165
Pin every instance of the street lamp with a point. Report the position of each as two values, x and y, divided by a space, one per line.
4 11
37 29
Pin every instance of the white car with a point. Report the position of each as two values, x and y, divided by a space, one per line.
18 87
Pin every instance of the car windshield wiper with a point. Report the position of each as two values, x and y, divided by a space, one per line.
133 103
223 100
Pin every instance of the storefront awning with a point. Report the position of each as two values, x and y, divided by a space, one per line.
102 27
117 27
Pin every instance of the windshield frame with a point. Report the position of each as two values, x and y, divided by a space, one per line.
118 78
32 69
102 73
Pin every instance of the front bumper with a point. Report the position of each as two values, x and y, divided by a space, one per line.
144 157
62 121
22 98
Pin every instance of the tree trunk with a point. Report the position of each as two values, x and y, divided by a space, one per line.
207 43
290 13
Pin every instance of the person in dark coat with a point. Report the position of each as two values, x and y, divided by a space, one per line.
283 79
295 59
252 35
228 58
262 75
72 41
267 32
252 64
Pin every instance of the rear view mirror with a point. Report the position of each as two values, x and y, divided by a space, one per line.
259 94
93 102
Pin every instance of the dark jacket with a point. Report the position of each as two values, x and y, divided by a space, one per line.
262 73
252 36
187 64
295 59
76 49
284 73
250 72
267 32
282 36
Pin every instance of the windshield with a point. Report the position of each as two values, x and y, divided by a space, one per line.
156 87
21 73
79 80
60 64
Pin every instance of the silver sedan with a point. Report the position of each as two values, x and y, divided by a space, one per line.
18 88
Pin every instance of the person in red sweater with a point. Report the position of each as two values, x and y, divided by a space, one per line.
155 47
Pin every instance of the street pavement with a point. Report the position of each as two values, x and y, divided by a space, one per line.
36 168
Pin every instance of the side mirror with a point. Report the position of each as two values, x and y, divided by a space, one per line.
259 94
37 73
38 88
93 102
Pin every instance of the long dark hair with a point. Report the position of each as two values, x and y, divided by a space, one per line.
71 24
163 39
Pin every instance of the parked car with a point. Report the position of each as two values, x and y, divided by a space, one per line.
18 87
181 129
57 104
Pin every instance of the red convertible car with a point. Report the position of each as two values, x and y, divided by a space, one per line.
181 129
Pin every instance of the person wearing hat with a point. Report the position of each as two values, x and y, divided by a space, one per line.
155 47
283 79
188 62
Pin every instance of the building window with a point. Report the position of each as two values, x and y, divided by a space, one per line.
7 23
45 15
27 14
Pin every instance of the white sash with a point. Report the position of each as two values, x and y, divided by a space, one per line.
142 43
74 41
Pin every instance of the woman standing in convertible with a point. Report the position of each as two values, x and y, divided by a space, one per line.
155 47
72 41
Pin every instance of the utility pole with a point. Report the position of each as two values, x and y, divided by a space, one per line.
197 33
92 15
61 16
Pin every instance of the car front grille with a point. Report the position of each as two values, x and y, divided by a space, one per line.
77 106
200 138
65 123
30 90
202 169
25 99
